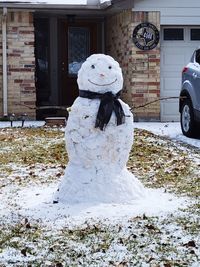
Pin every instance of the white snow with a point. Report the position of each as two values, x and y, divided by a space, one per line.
169 129
96 183
57 2
96 171
5 124
103 1
37 203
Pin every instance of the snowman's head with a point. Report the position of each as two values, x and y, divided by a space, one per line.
100 73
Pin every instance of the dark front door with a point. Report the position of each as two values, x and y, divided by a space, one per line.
78 40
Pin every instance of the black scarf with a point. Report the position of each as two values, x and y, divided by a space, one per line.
109 103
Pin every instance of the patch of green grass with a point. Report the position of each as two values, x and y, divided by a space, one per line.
156 161
19 235
153 240
30 146
159 163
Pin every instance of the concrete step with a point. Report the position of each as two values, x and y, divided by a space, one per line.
55 121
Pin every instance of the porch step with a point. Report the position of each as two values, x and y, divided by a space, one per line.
43 112
55 121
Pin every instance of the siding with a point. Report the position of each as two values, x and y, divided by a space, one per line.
173 12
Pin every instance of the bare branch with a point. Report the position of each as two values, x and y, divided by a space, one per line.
156 100
137 107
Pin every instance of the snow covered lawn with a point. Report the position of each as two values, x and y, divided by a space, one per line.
161 230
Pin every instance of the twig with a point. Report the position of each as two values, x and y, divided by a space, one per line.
137 107
19 104
156 100
43 107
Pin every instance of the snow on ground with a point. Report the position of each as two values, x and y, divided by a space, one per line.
153 231
37 202
169 129
4 124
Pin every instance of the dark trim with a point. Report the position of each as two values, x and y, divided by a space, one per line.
184 93
53 60
197 115
123 4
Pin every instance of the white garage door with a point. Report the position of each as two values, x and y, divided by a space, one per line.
177 46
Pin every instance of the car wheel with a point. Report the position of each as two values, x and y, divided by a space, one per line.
188 124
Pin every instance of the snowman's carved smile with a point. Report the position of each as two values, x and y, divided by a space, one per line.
105 84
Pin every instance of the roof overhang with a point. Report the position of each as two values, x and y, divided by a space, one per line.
56 4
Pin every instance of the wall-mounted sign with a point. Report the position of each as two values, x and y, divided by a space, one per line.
146 36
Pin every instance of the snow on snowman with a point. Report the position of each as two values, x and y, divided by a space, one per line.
99 137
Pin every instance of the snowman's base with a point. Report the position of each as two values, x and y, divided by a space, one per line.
81 185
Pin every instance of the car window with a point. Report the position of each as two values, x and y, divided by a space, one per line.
197 57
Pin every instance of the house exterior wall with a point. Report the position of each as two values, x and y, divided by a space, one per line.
141 69
1 70
20 64
172 12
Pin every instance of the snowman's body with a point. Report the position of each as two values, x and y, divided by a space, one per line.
96 171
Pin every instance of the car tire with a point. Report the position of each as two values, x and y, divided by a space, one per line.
188 124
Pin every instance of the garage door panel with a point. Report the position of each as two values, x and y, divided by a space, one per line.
174 56
172 86
174 74
170 110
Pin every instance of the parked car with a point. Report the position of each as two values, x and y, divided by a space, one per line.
189 103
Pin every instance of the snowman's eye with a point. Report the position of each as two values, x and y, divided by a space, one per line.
93 66
110 67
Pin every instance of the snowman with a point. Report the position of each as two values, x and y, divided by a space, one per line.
99 137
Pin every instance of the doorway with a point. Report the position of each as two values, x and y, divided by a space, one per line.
78 40
61 46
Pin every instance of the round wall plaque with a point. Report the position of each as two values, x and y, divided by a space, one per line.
146 36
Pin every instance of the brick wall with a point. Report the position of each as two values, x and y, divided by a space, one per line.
21 64
141 69
1 80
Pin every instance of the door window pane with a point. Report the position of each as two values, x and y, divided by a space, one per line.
173 34
78 48
195 34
